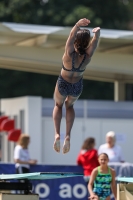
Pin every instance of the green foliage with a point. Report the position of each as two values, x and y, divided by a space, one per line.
16 83
114 14
81 11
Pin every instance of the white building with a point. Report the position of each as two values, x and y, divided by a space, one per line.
33 115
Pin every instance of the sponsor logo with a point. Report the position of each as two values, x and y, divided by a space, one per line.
78 191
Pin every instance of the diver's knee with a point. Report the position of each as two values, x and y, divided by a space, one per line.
68 104
59 105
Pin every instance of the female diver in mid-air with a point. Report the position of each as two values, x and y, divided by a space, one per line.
78 52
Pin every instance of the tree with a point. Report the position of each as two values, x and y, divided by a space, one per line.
16 83
114 14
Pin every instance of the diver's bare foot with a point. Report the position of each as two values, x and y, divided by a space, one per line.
66 145
56 145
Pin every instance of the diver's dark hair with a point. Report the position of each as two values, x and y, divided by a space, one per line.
82 40
103 154
88 143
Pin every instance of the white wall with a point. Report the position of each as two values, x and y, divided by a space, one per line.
41 129
49 155
32 107
96 128
34 127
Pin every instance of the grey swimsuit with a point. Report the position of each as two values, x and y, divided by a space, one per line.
71 89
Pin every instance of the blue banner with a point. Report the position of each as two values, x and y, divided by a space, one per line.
64 188
55 189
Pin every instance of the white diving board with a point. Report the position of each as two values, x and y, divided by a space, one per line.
125 179
39 175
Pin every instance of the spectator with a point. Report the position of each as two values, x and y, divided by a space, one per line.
21 155
88 157
113 151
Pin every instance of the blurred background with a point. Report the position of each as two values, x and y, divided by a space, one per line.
32 39
113 14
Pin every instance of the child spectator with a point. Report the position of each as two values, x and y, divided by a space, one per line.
102 180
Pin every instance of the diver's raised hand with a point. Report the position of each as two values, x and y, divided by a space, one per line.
96 31
83 22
